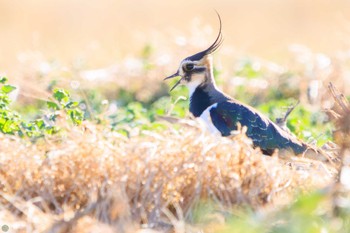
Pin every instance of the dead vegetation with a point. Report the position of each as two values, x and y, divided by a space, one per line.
97 179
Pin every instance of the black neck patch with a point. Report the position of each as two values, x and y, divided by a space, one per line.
200 100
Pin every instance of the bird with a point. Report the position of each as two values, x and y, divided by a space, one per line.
224 114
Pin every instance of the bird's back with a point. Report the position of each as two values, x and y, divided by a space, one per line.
265 134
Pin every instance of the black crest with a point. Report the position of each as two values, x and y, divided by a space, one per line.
218 41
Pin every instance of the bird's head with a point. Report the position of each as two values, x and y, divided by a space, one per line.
197 69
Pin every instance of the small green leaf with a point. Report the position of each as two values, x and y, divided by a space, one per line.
3 80
52 105
61 95
8 88
71 104
40 123
76 115
51 130
9 127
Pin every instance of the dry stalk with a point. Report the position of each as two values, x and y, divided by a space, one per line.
342 121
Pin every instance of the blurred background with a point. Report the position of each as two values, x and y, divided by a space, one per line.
101 32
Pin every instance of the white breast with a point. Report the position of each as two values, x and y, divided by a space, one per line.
206 119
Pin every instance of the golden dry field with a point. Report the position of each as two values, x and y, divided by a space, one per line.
91 140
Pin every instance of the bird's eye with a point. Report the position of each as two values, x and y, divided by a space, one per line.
188 67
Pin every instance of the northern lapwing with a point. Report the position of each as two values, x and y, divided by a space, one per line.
221 113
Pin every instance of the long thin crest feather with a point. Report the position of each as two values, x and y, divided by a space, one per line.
218 41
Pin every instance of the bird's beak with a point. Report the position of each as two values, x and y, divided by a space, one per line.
173 76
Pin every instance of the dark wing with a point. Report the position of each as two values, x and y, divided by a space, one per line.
264 133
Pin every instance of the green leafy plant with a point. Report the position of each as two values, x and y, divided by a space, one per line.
12 123
66 104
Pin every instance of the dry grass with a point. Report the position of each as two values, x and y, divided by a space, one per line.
96 179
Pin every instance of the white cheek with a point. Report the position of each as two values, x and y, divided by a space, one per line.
196 80
192 86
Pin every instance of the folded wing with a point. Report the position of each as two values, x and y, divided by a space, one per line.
264 133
